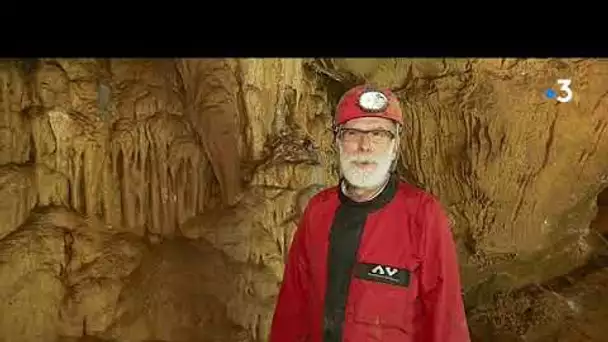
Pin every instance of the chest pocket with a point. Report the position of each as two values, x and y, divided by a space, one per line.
383 300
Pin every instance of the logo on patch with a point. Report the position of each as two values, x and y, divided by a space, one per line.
384 270
383 274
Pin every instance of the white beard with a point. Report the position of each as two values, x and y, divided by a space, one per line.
367 179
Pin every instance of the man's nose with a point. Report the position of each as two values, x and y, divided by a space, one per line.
365 143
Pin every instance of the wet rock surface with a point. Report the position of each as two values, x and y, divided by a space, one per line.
155 200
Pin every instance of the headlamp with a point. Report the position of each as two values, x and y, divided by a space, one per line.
373 101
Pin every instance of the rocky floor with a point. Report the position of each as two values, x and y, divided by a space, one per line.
569 308
114 286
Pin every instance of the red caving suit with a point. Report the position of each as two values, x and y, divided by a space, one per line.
383 270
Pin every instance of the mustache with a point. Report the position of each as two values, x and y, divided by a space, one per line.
357 158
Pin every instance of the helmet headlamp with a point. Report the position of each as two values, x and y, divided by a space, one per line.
373 101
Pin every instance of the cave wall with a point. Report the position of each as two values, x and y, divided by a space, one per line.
155 199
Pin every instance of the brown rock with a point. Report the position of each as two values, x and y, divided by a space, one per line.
147 200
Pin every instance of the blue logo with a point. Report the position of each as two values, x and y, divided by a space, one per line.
565 93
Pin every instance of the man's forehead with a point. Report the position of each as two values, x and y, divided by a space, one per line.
369 122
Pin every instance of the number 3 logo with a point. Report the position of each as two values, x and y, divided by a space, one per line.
565 88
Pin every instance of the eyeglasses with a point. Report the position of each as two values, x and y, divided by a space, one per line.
376 136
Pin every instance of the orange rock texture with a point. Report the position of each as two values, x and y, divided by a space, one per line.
155 200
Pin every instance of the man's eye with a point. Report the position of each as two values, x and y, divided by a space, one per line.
381 134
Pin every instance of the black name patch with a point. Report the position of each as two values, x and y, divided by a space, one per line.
383 274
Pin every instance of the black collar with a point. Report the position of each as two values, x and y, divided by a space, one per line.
374 204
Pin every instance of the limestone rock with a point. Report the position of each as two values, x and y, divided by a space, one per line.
210 88
155 200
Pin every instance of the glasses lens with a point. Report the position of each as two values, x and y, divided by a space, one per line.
376 136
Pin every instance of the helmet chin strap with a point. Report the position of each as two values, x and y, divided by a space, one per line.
397 151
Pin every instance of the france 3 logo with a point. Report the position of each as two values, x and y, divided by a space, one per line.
565 93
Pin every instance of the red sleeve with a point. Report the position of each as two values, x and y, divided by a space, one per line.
443 312
290 320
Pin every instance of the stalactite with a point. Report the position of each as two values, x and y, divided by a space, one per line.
74 168
144 172
175 186
43 138
114 205
148 201
135 184
162 173
119 172
212 110
128 189
164 188
6 104
191 196
155 192
83 183
169 217
111 190
100 210
143 180
139 192
159 175
179 186
93 167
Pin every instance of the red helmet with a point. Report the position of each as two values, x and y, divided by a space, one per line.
365 101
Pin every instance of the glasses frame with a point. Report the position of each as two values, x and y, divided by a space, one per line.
363 132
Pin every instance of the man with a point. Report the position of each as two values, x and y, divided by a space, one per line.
373 258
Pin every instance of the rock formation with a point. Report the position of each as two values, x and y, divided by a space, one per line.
155 200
